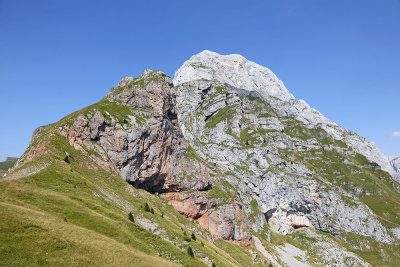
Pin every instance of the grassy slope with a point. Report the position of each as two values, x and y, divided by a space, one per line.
68 215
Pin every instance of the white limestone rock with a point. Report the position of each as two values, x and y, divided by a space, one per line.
239 72
395 162
234 70
220 99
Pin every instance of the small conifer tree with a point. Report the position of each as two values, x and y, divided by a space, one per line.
190 252
130 217
146 207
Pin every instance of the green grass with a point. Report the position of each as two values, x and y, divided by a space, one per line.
223 191
192 154
255 210
120 112
70 215
31 237
242 256
224 113
138 82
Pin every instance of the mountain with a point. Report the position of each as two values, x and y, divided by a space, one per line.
7 164
223 151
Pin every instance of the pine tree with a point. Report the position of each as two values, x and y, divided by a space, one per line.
190 252
193 236
130 217
146 207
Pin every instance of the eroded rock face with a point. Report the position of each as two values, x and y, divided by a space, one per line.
146 147
395 162
223 220
276 149
241 73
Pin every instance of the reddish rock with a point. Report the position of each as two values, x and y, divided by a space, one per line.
225 221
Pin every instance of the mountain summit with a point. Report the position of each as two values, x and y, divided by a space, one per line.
234 70
241 73
224 152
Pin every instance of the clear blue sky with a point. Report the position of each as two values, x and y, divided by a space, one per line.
341 56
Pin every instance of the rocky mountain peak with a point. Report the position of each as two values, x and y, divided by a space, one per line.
237 71
151 90
145 75
234 70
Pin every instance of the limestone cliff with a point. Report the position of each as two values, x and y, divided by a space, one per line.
302 170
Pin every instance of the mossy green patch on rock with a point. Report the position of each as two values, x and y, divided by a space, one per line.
223 114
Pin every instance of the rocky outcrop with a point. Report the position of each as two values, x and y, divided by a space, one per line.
146 146
37 133
234 70
239 117
395 162
223 220
241 73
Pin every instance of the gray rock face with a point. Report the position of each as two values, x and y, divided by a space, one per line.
36 133
234 70
395 162
239 117
237 71
145 146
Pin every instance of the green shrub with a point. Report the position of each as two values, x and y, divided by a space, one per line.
130 217
66 159
187 239
213 265
146 207
193 236
152 210
190 252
